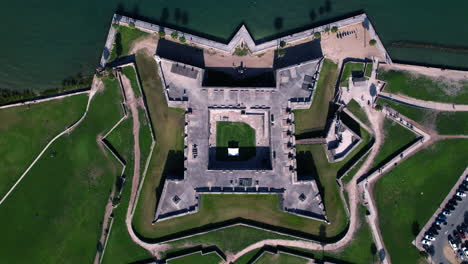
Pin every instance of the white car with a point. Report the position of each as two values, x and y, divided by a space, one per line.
428 237
446 213
426 242
453 245
465 251
461 194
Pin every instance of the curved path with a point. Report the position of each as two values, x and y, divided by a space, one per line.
424 104
97 84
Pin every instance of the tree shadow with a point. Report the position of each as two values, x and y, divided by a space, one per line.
278 23
312 15
415 228
164 15
177 15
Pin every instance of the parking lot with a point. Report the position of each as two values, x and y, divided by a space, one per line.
446 236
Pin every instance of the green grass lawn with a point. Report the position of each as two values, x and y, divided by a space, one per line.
26 130
368 71
197 258
130 73
244 236
239 132
396 137
357 110
407 196
127 37
280 258
425 88
348 70
314 118
445 123
58 207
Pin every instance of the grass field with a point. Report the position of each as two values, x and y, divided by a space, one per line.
357 110
408 195
396 138
197 258
239 132
130 73
127 36
26 130
368 71
348 70
445 123
243 235
280 258
424 88
314 118
57 209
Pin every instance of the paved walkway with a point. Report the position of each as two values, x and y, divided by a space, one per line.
424 104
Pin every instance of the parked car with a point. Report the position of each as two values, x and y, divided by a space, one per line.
461 194
426 242
452 244
442 217
440 222
446 212
428 237
465 251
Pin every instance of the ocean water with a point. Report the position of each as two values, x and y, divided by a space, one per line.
44 42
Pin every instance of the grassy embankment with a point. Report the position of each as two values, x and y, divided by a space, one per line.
120 247
197 258
357 110
348 70
79 173
368 71
280 258
124 39
408 195
396 138
26 130
445 123
313 119
424 87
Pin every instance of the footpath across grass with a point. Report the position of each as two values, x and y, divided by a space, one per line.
314 119
224 239
424 87
120 247
408 196
130 73
26 130
62 199
445 123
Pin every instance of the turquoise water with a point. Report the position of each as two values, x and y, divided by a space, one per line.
44 42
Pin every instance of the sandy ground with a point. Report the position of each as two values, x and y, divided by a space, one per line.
147 44
354 45
450 254
220 59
